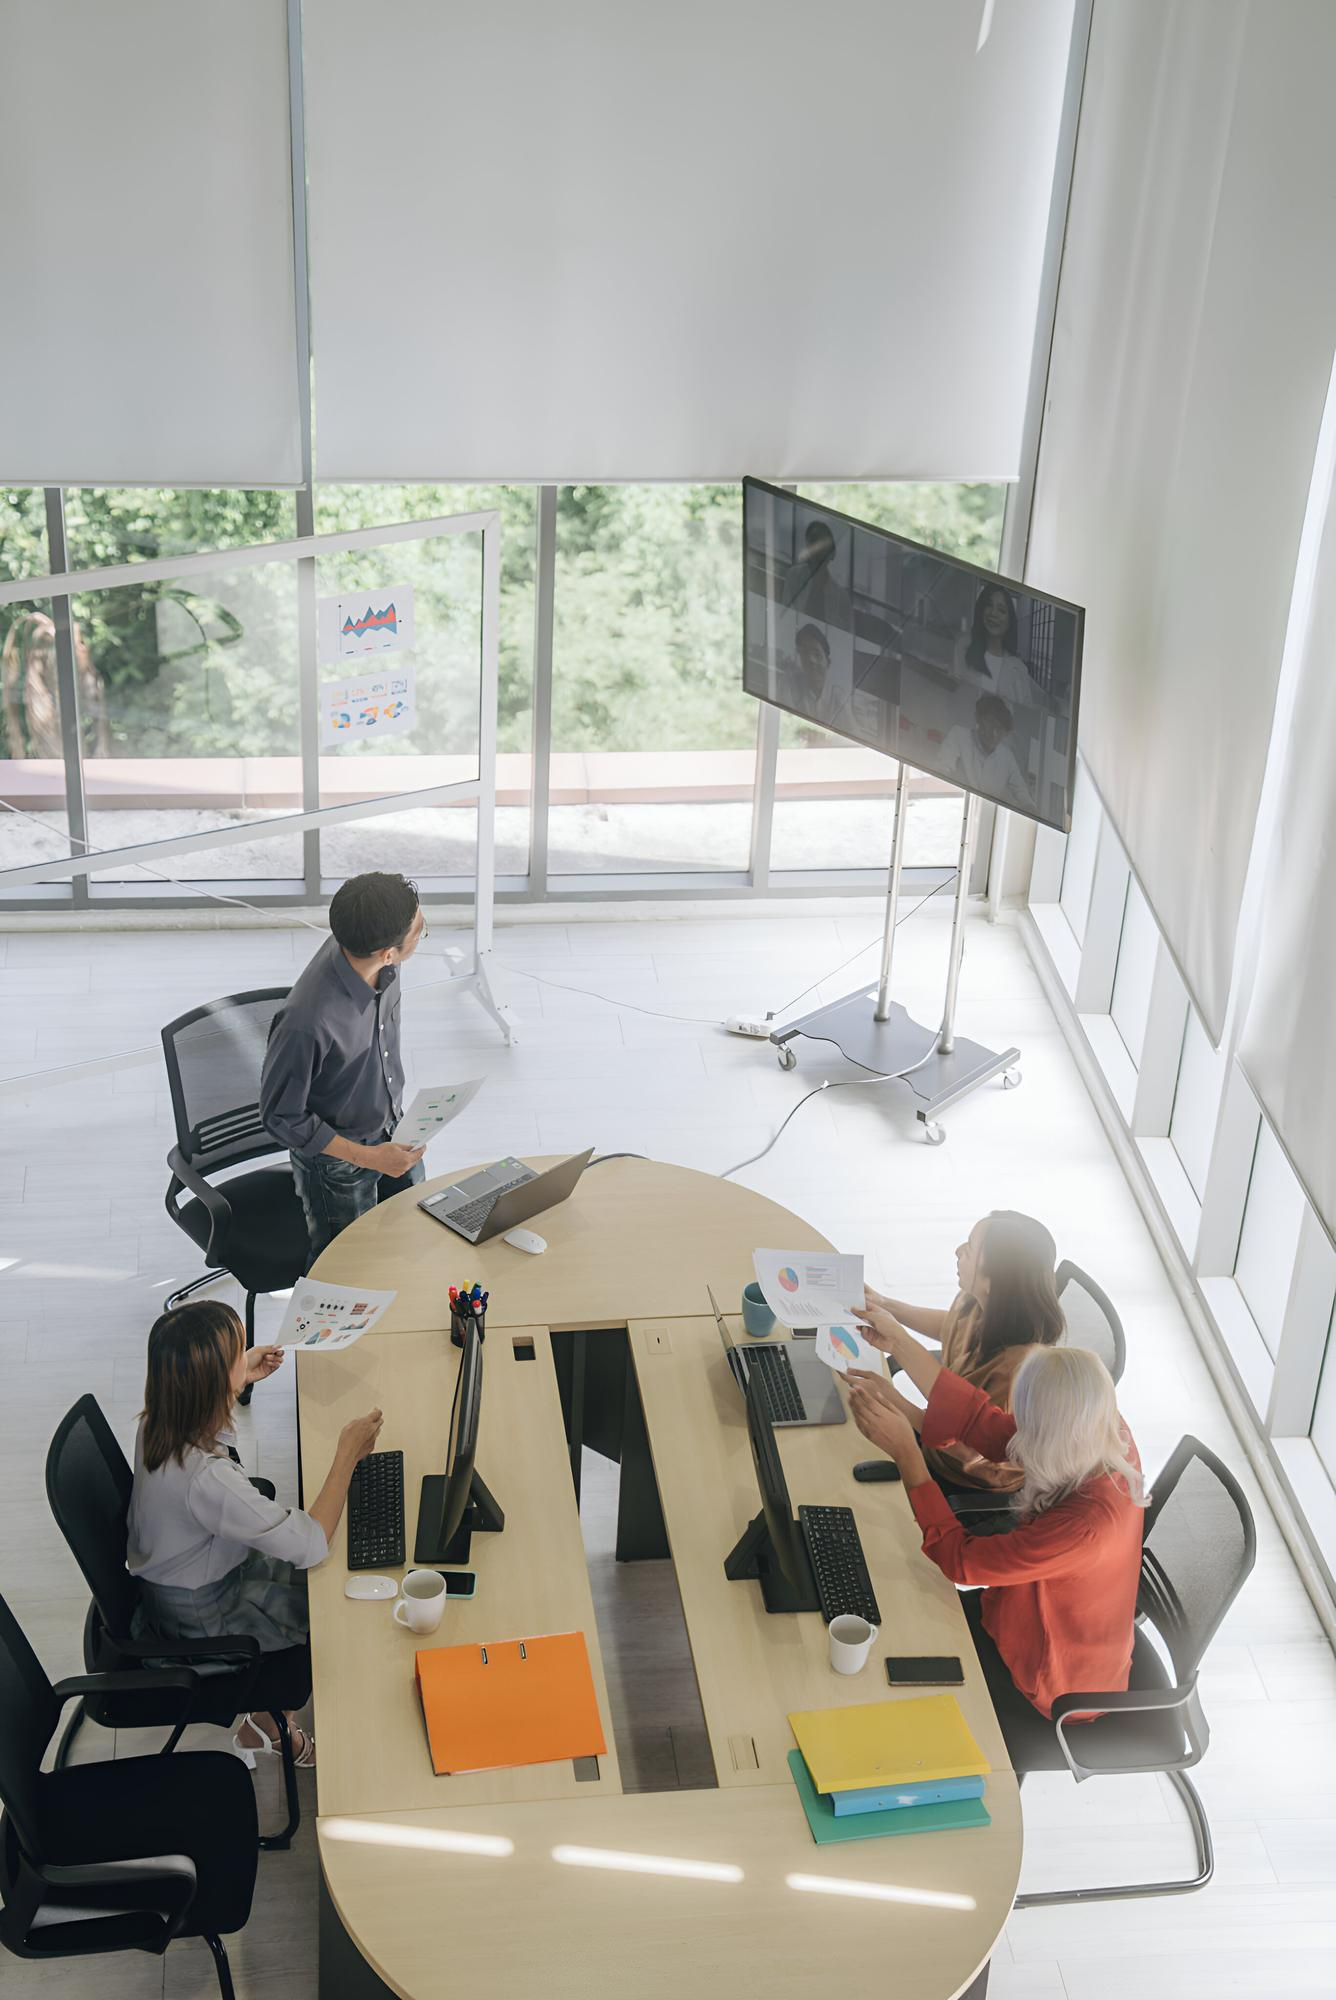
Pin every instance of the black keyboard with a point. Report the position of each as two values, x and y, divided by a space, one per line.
376 1511
781 1384
836 1554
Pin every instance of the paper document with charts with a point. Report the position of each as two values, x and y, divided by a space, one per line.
431 1111
328 1317
809 1287
843 1346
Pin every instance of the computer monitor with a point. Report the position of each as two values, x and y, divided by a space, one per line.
771 1551
456 1503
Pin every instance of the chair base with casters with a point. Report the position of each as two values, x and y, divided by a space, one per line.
127 1855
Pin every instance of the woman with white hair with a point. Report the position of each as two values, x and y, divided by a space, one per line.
1055 1613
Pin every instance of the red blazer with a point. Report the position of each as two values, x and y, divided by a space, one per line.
1060 1589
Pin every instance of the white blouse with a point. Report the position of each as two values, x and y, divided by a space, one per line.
193 1523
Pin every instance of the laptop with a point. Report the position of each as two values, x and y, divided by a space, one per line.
800 1389
501 1197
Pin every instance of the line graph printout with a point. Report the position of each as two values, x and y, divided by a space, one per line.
366 622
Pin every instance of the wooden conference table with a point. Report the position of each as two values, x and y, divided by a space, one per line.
521 1881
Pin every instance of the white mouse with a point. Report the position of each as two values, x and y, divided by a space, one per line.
371 1586
525 1239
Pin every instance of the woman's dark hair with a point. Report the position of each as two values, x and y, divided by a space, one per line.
1022 1308
188 1393
372 912
978 644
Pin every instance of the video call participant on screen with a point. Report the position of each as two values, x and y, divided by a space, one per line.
991 654
809 585
981 760
1006 1303
332 1086
821 691
1056 1610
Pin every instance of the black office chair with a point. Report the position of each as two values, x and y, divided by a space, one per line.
121 1856
1199 1544
252 1225
88 1484
1091 1320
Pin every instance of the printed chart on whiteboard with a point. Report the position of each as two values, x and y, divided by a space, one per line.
381 704
366 622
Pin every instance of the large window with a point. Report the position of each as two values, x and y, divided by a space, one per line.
1196 1102
190 697
1269 1239
1137 948
653 740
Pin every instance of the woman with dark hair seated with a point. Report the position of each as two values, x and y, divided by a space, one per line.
213 1557
1006 1304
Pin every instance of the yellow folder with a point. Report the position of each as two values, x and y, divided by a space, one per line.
888 1743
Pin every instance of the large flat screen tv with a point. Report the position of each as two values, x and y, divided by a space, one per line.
950 668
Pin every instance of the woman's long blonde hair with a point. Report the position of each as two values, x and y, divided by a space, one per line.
1068 1429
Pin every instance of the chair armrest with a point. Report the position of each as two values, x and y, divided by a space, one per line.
214 1201
239 1648
1132 1701
138 1681
172 1877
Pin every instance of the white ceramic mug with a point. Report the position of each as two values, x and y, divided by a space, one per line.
851 1640
421 1600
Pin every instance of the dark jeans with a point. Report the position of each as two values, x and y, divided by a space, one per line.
335 1192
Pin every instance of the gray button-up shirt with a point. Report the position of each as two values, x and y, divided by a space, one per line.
332 1068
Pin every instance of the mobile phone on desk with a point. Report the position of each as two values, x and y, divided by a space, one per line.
459 1582
925 1672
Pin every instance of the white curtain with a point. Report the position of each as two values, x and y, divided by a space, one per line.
677 239
1288 1044
148 334
1196 314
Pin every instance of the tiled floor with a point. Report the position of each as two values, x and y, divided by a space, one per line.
86 1253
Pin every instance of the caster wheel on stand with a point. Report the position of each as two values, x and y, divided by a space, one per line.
1011 1079
933 1133
787 1058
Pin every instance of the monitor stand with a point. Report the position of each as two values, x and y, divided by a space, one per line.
754 1558
482 1516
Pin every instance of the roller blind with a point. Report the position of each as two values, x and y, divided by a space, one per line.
1196 314
1286 1044
677 239
148 335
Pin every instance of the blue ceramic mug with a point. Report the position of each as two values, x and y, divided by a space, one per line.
756 1314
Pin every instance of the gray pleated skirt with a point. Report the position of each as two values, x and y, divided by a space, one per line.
263 1599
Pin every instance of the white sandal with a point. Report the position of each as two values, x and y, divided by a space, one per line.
303 1760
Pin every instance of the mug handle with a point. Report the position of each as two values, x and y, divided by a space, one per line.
400 1606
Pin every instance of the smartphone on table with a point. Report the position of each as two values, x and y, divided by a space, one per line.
459 1582
938 1671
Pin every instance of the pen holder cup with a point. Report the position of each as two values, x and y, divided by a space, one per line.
756 1314
458 1322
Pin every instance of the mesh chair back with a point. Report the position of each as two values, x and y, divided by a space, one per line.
214 1057
1200 1541
88 1484
29 1713
1091 1320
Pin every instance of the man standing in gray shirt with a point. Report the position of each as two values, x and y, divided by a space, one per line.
332 1086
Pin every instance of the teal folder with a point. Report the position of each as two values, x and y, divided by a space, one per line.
885 1797
826 1828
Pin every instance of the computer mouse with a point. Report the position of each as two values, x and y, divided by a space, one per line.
526 1240
874 1470
371 1586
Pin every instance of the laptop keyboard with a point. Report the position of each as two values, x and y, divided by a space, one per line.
470 1219
781 1384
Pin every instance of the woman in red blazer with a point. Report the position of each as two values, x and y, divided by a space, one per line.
1055 1614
